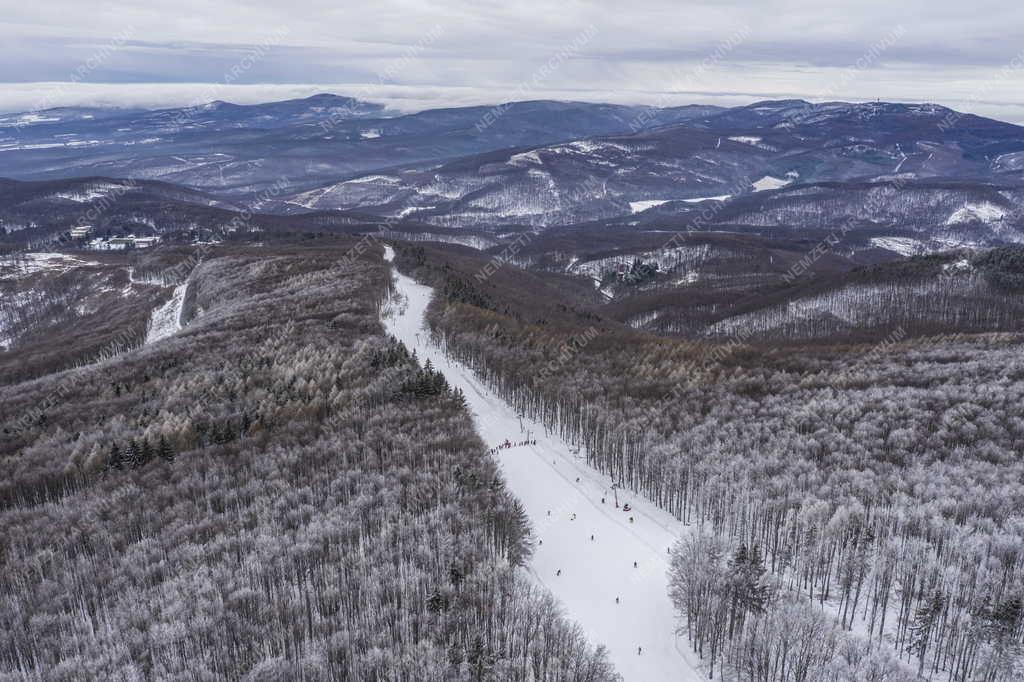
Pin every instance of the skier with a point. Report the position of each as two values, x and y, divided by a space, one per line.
559 572
549 512
639 650
591 538
577 479
631 519
573 516
602 500
616 600
634 565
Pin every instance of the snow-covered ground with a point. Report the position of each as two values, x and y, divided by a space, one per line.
905 246
23 265
153 279
720 197
477 242
688 257
985 212
91 192
770 182
563 498
638 206
166 320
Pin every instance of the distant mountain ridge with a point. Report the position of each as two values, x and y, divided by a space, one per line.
908 178
240 149
721 156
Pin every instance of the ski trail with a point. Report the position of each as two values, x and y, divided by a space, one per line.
565 514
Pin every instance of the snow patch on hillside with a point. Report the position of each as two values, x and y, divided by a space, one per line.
27 119
638 206
770 182
1014 161
962 265
23 265
471 240
901 245
720 197
386 179
592 147
89 192
412 209
166 320
686 258
644 319
985 212
311 198
525 158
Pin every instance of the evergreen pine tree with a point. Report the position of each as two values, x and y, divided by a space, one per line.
437 602
925 618
164 450
132 455
145 452
479 659
114 458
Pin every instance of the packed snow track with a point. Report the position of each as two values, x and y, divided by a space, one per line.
563 498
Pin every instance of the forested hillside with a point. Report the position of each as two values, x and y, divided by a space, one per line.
276 492
852 505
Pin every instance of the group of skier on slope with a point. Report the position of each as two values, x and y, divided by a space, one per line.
509 444
636 564
625 508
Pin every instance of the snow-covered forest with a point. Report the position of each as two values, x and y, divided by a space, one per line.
277 491
856 511
345 387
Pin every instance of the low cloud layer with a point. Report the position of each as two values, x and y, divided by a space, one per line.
413 54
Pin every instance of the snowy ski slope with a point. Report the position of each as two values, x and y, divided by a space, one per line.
565 513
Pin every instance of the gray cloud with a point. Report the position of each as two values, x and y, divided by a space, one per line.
643 50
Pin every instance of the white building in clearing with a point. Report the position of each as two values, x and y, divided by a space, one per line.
123 243
81 232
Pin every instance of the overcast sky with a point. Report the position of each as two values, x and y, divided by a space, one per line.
412 54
